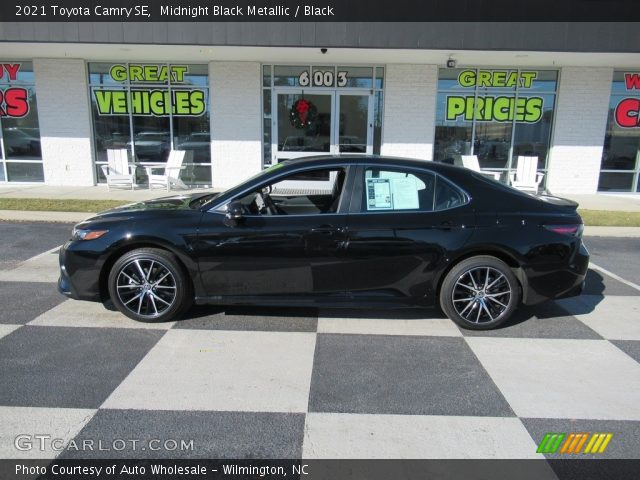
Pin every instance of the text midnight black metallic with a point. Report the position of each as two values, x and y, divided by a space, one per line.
320 11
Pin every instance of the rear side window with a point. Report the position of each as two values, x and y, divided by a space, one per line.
397 190
447 196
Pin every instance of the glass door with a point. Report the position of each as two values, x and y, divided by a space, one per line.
322 122
303 124
355 123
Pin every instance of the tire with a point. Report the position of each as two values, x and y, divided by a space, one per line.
163 294
483 305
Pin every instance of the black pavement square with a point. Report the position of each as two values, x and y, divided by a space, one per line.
546 320
68 367
274 319
623 443
191 434
630 347
23 240
598 283
381 374
21 302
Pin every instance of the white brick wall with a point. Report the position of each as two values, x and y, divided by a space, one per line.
410 110
65 123
580 123
236 118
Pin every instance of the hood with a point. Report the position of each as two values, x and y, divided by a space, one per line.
176 202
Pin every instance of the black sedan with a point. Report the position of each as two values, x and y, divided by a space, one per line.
334 231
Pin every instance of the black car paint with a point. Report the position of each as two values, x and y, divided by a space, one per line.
346 258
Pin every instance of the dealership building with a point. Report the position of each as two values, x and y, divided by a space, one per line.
243 96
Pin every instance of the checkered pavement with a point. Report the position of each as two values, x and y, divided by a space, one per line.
291 383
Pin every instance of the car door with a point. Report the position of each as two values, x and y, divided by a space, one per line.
403 224
294 253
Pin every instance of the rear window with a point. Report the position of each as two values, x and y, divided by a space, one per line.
447 195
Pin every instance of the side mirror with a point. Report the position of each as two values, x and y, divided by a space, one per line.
234 216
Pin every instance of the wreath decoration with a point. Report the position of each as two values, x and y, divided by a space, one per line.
303 113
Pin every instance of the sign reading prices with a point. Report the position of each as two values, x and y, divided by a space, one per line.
495 108
14 101
628 109
149 101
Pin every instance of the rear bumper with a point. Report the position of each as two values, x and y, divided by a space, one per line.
539 284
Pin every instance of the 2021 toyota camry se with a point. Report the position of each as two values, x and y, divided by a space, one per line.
334 231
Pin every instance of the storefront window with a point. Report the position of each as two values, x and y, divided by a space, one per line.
20 154
620 165
151 109
496 114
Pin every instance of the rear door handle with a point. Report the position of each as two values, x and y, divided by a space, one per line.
327 230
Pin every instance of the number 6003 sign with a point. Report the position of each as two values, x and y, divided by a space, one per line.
322 79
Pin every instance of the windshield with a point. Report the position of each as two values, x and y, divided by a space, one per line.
264 173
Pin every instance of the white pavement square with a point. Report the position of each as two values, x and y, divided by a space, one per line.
41 268
74 313
441 327
60 425
590 379
223 371
6 329
613 317
329 435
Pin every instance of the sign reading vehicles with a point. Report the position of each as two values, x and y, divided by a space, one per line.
152 100
495 108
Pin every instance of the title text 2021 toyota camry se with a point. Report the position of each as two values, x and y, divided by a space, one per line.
334 231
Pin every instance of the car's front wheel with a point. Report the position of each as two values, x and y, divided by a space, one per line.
149 285
480 293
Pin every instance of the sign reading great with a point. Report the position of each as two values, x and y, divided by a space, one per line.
158 101
495 108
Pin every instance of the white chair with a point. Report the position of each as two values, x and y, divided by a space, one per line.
118 171
170 172
526 177
471 162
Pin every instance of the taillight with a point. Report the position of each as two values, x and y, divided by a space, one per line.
574 230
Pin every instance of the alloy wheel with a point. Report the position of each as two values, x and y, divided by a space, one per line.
146 287
481 295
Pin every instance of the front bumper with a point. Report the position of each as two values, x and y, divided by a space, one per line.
79 274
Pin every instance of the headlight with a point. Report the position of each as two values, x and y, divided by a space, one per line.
86 234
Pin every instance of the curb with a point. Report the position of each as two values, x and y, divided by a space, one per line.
38 216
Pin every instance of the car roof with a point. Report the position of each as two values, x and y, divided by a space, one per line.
357 159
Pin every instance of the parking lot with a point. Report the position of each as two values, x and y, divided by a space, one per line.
291 383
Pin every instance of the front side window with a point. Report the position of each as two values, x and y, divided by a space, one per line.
20 155
496 114
296 194
151 109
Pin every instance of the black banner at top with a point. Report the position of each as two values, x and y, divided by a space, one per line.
318 10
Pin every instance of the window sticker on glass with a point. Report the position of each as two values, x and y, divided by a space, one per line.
379 194
404 193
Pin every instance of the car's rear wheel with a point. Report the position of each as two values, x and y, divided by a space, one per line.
480 293
149 285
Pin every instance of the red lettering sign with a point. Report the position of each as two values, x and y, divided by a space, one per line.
632 81
628 113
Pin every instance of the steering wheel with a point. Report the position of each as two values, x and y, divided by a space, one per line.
268 206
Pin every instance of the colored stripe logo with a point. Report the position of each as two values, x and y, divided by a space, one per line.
572 443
